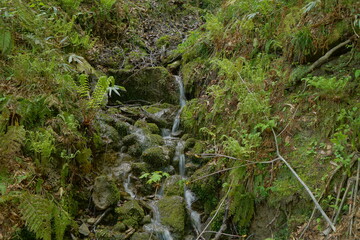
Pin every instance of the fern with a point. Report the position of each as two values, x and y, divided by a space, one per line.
43 217
98 95
5 42
12 141
84 88
37 212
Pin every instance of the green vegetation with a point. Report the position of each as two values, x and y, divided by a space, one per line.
249 68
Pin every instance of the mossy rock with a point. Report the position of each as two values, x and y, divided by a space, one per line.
147 127
156 157
122 127
156 140
105 192
189 143
172 186
109 136
129 140
142 236
172 214
139 168
130 213
135 150
152 84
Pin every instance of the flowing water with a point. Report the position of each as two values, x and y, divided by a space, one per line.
162 232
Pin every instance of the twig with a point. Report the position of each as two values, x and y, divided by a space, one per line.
228 169
100 218
355 197
350 181
324 58
224 225
217 211
302 183
225 234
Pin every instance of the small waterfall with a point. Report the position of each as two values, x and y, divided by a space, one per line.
127 186
179 155
182 102
161 231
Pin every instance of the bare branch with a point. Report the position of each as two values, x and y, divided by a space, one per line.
302 183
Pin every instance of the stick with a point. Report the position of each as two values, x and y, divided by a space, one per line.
227 169
217 211
302 183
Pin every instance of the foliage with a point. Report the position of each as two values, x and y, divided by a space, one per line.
328 86
11 142
44 217
154 177
41 143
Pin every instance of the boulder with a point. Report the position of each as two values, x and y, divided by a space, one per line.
130 213
151 84
105 192
172 186
172 214
157 157
142 236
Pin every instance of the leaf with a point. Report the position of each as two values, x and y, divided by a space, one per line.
145 175
5 42
357 73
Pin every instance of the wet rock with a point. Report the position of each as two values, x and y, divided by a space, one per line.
146 220
135 150
123 128
152 84
156 157
189 143
172 214
84 230
108 135
130 213
105 192
172 186
142 236
147 127
129 140
139 168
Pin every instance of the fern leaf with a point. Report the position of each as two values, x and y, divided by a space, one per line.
84 88
61 221
5 42
12 141
99 92
38 212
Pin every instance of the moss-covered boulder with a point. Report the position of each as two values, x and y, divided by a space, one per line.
156 157
129 140
151 84
105 192
148 127
130 213
107 135
173 187
142 236
172 214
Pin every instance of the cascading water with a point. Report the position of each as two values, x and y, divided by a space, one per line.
180 156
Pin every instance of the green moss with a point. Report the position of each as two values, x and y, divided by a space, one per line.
147 127
156 157
129 140
130 213
172 214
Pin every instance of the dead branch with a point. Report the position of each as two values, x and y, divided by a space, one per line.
217 211
355 197
302 183
324 58
228 169
223 225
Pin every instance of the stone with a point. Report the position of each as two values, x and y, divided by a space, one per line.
130 213
156 157
105 192
172 214
129 140
151 84
84 230
142 236
172 186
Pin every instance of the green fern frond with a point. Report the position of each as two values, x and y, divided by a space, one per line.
5 42
84 89
37 212
99 92
44 217
12 141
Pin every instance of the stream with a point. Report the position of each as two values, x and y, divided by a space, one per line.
171 137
